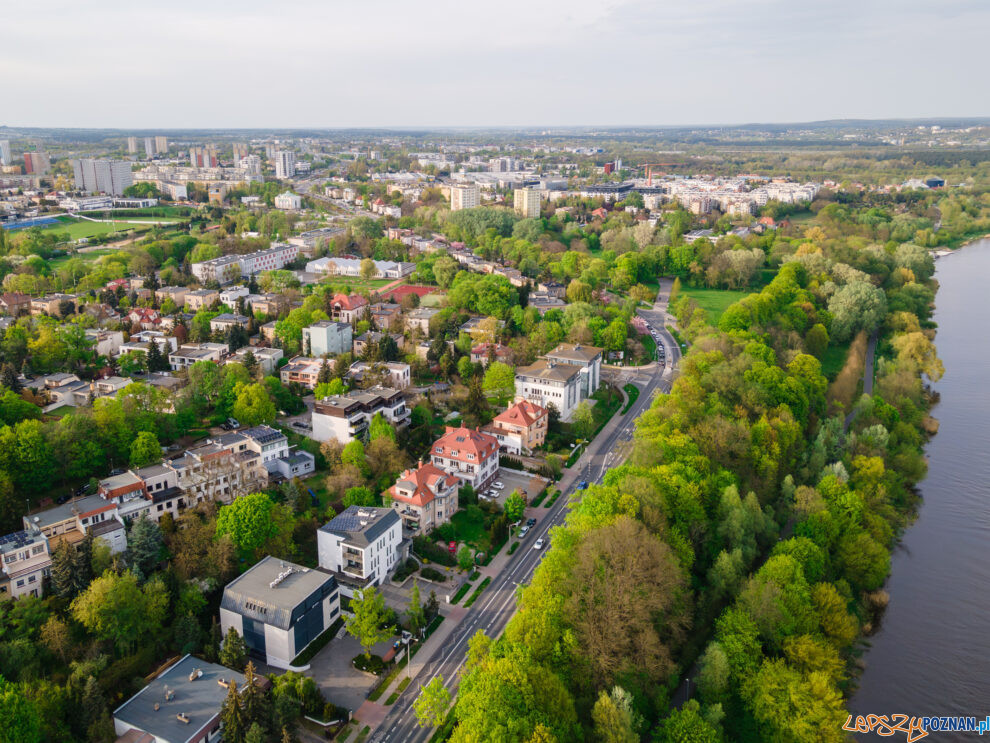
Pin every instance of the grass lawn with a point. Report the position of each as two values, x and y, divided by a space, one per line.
470 526
78 229
633 392
342 282
833 360
713 301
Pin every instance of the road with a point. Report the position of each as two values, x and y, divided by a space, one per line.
497 605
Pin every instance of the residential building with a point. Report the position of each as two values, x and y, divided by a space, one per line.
424 497
361 546
347 308
267 358
526 202
276 457
220 469
303 370
5 156
279 608
72 521
420 318
464 196
24 563
346 417
546 383
543 303
521 428
161 144
288 201
188 354
587 358
285 164
231 294
468 454
105 342
385 314
372 337
388 373
102 176
327 337
267 331
36 163
203 157
224 322
50 304
15 303
483 353
182 703
228 268
201 299
176 293
552 289
145 318
142 341
149 147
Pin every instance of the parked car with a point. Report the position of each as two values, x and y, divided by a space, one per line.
538 544
300 424
232 422
118 471
523 531
63 498
499 485
530 522
582 485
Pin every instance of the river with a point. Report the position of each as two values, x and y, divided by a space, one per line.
927 656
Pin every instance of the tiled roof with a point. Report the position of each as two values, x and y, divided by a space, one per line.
423 481
465 441
523 413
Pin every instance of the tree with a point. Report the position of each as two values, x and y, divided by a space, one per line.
359 496
856 306
157 361
514 506
614 717
380 428
9 377
415 617
328 389
232 715
250 362
254 405
465 558
117 609
353 454
583 419
686 725
432 703
465 369
500 379
55 634
144 544
233 654
368 621
257 705
19 718
368 269
816 340
249 521
145 449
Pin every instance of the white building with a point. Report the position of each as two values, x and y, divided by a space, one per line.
398 373
586 358
327 337
102 176
24 563
468 454
329 266
285 164
361 546
227 268
5 157
288 201
464 196
546 383
230 295
346 417
526 202
267 358
279 608
190 353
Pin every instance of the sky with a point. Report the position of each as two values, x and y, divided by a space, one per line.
422 63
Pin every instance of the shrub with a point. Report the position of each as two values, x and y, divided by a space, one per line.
374 665
432 574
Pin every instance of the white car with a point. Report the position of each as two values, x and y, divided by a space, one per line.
499 485
538 545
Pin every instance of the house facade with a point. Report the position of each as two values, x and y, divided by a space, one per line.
521 428
424 497
361 546
468 454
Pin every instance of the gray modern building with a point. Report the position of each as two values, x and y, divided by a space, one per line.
279 608
327 337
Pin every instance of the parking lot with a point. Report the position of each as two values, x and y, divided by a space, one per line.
527 484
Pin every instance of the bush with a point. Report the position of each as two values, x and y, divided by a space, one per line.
432 574
375 665
407 568
426 547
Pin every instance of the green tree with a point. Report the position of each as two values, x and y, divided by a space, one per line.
465 369
328 389
380 428
232 715
359 496
368 622
500 379
117 609
19 718
233 653
144 545
249 521
816 340
583 419
614 717
254 405
432 703
514 506
856 306
415 618
465 558
145 449
257 705
687 725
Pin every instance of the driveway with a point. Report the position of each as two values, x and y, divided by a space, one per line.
339 681
521 481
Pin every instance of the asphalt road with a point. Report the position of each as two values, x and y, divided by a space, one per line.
497 605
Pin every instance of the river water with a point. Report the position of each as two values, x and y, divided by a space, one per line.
930 653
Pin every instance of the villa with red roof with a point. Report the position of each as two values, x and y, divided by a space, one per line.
482 353
425 497
468 454
521 428
347 308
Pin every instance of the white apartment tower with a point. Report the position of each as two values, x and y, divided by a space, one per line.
285 164
149 147
5 158
104 176
464 196
132 145
526 202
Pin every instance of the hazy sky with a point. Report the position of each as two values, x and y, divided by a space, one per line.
328 63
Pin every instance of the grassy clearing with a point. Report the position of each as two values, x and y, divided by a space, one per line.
78 229
341 283
713 301
833 361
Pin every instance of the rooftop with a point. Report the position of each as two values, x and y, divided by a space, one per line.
199 700
361 524
271 589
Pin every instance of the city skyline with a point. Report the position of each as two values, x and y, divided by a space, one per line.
626 62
